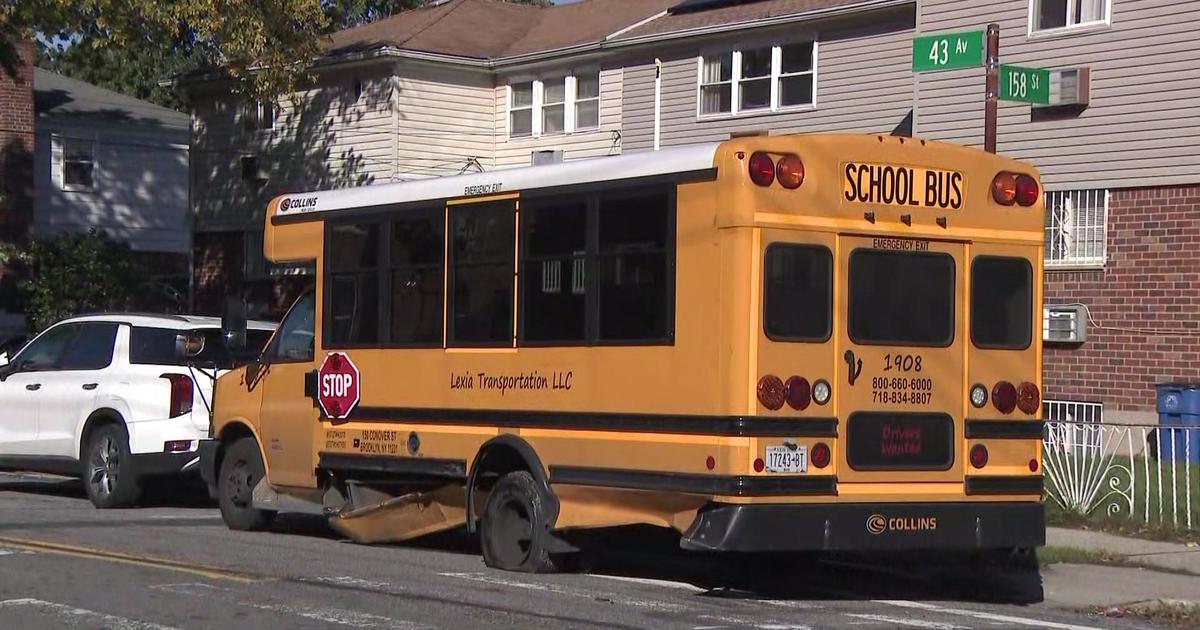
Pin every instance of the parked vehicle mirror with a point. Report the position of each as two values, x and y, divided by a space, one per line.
233 323
189 345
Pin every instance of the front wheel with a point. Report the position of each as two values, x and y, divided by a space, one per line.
108 473
514 532
241 469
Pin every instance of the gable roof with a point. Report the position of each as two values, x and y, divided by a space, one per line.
58 96
746 13
491 29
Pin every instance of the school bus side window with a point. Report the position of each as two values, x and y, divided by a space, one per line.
798 292
635 276
353 264
1001 302
416 258
482 273
294 341
554 270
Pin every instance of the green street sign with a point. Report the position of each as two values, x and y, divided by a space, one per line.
1026 85
948 51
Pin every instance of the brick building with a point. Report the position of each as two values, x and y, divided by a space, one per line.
16 142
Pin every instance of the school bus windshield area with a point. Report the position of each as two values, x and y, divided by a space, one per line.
770 343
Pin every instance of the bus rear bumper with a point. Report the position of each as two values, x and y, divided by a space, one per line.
814 527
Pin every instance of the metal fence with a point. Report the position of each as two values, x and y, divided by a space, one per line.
1145 473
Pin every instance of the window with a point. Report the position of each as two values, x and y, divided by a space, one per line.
554 270
482 266
1076 228
554 105
587 101
634 277
417 246
156 346
1001 302
1056 14
44 352
73 162
520 109
758 79
92 347
598 268
901 298
561 104
296 338
798 292
353 266
260 115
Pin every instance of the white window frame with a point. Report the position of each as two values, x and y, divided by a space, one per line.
256 111
1062 221
573 97
736 80
1034 31
536 107
58 161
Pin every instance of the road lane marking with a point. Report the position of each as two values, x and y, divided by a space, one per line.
684 586
986 616
122 558
4 551
89 618
338 616
911 623
572 592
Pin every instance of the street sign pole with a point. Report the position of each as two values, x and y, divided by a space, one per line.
991 88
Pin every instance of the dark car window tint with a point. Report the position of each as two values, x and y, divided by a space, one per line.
46 351
92 347
482 253
634 274
354 283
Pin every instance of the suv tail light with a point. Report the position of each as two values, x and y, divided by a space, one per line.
181 394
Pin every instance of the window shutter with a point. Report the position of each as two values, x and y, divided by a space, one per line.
56 160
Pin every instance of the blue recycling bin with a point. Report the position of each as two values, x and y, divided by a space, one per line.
1178 433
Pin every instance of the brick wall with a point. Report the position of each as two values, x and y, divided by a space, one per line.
1145 304
16 143
218 273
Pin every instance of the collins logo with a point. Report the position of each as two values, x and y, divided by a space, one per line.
878 524
298 203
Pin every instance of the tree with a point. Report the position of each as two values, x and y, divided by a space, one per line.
265 45
70 274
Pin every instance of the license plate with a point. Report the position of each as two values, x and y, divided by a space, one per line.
787 459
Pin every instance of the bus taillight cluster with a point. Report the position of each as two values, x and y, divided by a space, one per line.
764 171
773 392
1018 188
1006 397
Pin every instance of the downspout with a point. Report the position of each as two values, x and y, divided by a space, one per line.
657 102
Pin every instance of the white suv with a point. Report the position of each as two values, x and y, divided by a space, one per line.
109 398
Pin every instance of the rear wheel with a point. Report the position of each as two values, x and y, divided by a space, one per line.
241 469
108 473
514 532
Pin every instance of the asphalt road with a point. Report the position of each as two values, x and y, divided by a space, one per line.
173 564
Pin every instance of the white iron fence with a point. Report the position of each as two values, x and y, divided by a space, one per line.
1148 474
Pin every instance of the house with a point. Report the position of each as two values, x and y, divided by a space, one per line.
75 157
109 162
481 84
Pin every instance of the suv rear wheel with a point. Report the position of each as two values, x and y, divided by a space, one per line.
108 473
241 469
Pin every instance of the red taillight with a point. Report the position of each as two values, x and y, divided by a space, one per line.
181 394
770 392
1029 399
790 172
797 392
1004 397
1027 190
762 169
979 456
1004 189
710 463
759 465
1033 465
819 455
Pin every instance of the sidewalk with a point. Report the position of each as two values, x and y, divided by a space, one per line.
1150 553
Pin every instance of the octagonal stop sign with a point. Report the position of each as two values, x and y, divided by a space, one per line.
337 385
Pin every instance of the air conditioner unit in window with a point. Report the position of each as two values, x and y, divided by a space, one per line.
1069 87
1064 323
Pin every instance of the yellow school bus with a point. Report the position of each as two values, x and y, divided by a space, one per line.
772 343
